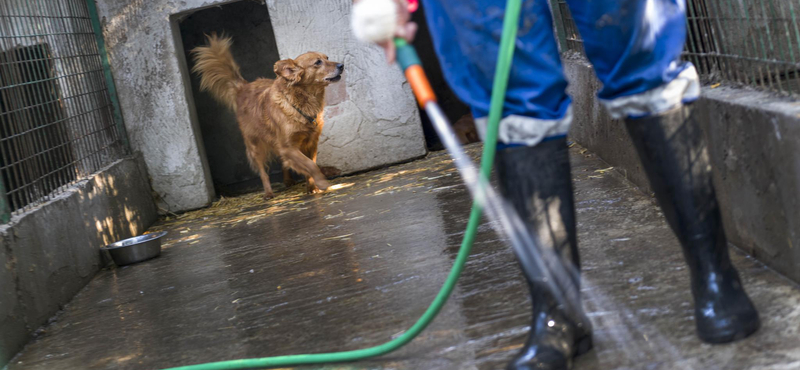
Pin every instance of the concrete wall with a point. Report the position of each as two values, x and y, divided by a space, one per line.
49 253
754 143
371 119
153 97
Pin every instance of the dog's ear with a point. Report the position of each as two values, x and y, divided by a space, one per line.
289 70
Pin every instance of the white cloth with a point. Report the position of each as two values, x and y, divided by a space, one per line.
526 130
684 88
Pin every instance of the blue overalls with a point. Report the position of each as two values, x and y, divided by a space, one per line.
634 46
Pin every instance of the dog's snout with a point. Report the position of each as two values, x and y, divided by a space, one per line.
340 66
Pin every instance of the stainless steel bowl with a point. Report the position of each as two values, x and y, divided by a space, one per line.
136 249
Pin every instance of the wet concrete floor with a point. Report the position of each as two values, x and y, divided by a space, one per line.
358 265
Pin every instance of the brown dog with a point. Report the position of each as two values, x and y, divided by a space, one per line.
281 117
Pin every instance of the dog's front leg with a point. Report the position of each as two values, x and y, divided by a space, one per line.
297 161
311 187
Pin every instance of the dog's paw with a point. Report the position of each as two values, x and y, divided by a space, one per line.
268 196
322 184
313 190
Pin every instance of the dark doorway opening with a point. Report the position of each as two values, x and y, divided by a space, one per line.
255 50
450 104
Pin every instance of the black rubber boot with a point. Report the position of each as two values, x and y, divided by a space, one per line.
537 182
673 151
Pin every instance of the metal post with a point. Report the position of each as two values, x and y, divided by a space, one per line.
558 21
112 88
5 211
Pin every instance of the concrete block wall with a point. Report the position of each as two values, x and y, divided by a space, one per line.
371 119
50 252
754 144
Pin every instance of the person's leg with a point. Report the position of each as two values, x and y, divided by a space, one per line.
538 183
635 48
466 38
532 160
645 83
673 152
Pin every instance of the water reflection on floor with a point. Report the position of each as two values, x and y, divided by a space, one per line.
356 266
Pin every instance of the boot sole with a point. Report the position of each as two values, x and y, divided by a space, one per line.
732 335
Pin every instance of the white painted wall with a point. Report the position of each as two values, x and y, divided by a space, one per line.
372 117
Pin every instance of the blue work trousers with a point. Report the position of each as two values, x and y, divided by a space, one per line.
634 46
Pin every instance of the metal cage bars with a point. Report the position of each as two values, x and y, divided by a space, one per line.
59 117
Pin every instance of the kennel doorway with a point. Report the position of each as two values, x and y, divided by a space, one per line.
450 104
255 50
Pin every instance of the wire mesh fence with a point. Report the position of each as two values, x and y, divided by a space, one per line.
57 122
748 42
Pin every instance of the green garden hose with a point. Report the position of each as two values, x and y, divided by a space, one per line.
409 61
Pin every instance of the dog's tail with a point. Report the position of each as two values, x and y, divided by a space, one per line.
219 73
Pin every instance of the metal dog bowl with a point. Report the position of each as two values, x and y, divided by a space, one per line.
136 249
